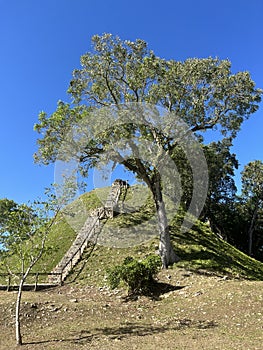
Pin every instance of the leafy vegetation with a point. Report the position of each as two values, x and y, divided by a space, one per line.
138 275
205 95
23 233
132 108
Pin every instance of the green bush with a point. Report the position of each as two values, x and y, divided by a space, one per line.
138 275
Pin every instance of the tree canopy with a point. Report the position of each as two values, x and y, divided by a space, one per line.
202 93
252 200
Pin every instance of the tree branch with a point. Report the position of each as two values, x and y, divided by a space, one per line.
110 89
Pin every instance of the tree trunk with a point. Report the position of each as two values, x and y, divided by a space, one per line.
251 231
166 250
18 305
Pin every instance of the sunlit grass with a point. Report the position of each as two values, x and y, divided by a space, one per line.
135 233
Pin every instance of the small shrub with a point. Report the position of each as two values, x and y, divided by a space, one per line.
138 275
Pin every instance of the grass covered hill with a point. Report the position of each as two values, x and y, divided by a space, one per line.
211 299
134 233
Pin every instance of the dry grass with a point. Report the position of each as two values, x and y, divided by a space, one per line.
212 299
187 311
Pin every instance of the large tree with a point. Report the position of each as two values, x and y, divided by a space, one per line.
222 190
252 197
203 93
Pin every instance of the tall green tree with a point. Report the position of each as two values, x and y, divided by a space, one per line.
203 93
6 206
252 196
222 190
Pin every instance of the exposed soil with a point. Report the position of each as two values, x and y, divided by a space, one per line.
185 311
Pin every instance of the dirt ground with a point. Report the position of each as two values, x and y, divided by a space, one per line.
186 311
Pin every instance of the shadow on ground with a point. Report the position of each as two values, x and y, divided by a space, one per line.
155 292
130 330
134 329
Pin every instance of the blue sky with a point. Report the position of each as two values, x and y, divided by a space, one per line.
42 41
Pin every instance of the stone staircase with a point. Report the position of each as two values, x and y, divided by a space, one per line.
88 233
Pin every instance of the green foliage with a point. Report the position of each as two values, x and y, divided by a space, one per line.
219 206
6 206
23 233
251 206
221 165
138 275
203 93
252 181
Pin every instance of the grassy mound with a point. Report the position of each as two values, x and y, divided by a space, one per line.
202 251
134 232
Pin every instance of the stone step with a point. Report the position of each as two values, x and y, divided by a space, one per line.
91 227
